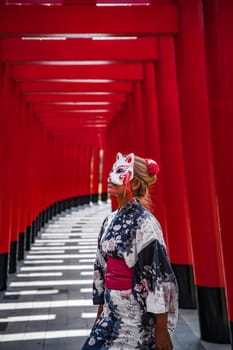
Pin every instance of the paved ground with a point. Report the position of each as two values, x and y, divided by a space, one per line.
48 302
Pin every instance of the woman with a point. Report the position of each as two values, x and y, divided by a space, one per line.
134 284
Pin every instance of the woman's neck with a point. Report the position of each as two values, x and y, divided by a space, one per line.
122 201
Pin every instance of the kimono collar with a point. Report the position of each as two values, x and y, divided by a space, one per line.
131 203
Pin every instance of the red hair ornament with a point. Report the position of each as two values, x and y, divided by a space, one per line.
152 166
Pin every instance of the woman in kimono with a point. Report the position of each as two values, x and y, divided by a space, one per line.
134 284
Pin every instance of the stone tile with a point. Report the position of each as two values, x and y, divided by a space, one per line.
30 345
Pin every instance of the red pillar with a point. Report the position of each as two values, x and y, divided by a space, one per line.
30 153
152 142
15 128
95 173
111 144
84 174
218 19
59 170
110 151
122 132
198 160
75 200
4 241
22 181
41 175
138 122
133 123
47 149
7 179
75 175
104 175
174 183
129 126
78 170
62 178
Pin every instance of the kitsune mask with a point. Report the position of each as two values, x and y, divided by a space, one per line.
122 170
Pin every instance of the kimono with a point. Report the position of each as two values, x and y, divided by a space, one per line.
128 319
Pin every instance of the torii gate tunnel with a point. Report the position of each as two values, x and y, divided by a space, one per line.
82 80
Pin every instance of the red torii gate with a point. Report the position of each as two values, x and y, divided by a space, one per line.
166 110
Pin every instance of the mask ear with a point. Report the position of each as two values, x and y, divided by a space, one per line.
118 156
129 158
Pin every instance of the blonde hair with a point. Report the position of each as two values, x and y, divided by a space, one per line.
141 174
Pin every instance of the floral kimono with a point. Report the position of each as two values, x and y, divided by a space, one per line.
132 235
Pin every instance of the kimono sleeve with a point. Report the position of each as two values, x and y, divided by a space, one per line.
99 271
162 292
156 272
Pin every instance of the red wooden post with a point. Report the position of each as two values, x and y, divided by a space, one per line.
30 173
112 147
22 181
218 19
17 154
88 172
198 160
175 196
105 165
95 173
152 142
121 132
4 246
7 177
128 125
78 169
139 127
74 175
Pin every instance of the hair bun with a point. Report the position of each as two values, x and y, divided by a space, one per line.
152 167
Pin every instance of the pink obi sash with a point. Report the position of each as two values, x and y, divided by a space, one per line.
118 275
